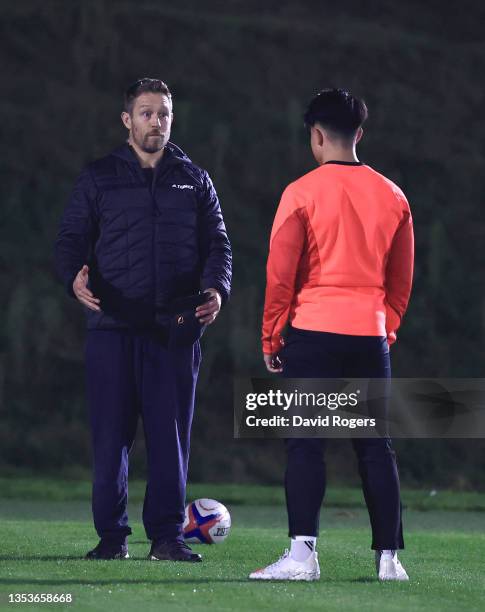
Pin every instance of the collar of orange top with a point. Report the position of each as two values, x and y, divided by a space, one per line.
344 163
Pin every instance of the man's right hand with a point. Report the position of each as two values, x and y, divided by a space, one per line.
81 291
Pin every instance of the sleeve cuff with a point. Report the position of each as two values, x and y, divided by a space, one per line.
218 287
273 346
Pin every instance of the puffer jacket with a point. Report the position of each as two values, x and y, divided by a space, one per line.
145 245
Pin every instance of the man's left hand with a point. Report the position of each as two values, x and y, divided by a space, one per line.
273 363
207 313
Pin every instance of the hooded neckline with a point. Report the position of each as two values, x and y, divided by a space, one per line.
172 156
175 154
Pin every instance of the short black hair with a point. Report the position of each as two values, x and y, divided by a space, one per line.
337 111
142 86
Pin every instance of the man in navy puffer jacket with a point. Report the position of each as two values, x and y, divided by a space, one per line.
141 236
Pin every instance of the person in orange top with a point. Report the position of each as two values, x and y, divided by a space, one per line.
339 273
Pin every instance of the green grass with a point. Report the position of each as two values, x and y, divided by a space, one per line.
44 539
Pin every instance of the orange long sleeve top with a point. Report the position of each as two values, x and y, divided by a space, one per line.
341 255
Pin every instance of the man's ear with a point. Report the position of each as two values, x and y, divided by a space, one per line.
320 135
360 133
126 119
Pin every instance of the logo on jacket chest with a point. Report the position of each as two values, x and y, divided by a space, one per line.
175 186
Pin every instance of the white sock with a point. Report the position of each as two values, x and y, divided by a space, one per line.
302 547
388 553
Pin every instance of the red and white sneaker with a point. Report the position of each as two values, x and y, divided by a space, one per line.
389 567
287 568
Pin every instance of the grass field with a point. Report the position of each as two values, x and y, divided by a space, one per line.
47 529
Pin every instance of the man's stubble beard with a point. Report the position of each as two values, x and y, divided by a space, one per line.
145 145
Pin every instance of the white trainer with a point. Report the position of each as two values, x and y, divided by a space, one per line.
287 568
389 567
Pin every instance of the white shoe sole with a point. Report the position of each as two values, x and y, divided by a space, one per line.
399 577
306 577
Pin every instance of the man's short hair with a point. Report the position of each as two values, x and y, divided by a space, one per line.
142 86
337 111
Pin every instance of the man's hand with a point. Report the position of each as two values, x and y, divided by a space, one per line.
273 363
81 291
207 313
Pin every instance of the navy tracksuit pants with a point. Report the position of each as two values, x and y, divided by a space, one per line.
311 354
131 374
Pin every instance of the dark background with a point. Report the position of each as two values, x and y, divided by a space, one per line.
241 74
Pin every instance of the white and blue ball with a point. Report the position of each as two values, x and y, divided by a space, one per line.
206 521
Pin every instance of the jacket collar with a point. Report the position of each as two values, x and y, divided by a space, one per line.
172 153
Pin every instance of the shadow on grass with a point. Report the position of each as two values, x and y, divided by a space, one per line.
42 558
173 581
117 581
69 558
